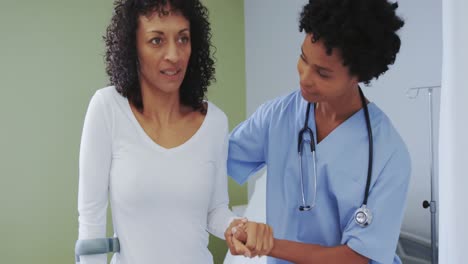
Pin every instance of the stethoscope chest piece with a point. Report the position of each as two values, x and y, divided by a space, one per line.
363 216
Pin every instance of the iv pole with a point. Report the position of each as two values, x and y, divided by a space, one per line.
432 205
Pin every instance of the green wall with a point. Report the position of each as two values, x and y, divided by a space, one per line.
227 18
50 65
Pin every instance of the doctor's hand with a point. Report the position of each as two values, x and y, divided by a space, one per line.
235 246
251 239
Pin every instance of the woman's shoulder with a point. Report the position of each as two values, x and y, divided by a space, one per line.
282 102
109 98
109 94
386 135
382 124
279 109
106 102
216 114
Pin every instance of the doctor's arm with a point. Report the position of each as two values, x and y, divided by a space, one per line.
303 253
387 199
221 220
308 253
247 155
248 145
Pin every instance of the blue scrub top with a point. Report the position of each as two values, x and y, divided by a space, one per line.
269 137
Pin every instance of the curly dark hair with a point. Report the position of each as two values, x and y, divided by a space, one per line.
364 31
121 53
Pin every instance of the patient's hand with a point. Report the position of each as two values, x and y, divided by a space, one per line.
250 239
235 246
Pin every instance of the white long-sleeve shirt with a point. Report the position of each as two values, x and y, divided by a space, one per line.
163 200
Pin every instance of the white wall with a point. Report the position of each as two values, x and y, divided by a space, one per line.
453 131
273 47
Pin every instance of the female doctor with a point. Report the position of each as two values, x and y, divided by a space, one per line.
338 170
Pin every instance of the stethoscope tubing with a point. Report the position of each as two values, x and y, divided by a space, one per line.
313 150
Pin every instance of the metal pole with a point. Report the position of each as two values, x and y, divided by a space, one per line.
433 207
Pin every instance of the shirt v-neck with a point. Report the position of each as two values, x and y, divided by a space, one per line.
157 147
352 128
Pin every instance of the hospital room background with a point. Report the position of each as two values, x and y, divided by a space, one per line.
51 62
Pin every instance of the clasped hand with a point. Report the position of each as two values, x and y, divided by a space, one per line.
248 238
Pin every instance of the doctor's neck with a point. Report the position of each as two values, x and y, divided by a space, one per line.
338 109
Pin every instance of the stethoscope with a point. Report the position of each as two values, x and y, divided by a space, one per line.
362 216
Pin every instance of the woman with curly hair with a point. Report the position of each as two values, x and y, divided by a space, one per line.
151 143
338 171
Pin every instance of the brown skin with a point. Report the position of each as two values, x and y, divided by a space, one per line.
301 253
325 81
164 48
261 240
